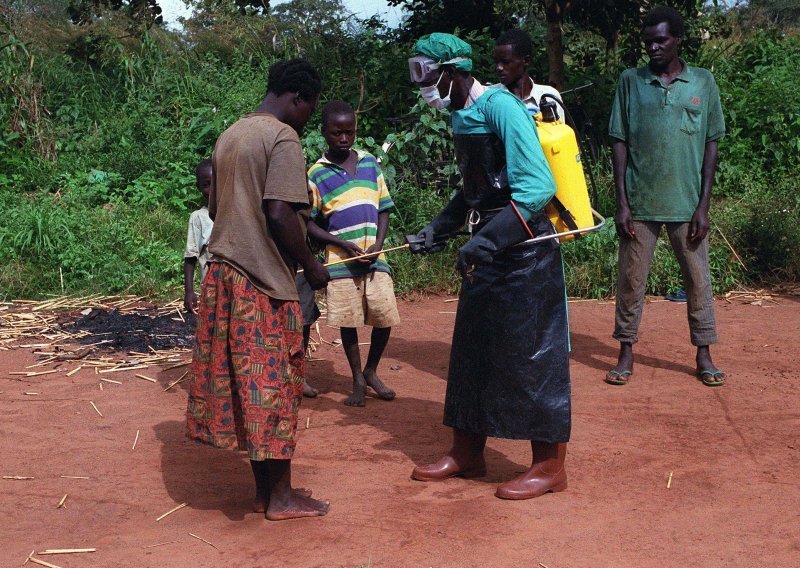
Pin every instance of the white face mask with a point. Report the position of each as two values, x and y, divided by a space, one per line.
431 95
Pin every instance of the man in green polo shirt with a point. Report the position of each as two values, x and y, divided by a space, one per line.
665 125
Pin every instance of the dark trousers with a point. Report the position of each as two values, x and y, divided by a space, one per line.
635 256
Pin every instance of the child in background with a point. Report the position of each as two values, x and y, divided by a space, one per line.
200 226
350 199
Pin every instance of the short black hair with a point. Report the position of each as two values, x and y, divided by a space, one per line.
333 108
519 40
661 14
202 164
294 76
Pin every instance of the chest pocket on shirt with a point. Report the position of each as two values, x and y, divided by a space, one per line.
690 120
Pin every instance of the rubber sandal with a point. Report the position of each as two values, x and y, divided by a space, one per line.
618 377
712 378
676 296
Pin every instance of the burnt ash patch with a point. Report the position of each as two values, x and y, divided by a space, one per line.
136 331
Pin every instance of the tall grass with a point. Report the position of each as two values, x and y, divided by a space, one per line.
100 137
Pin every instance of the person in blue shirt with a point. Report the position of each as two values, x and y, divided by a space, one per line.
509 373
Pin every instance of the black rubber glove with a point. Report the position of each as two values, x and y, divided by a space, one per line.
425 241
504 230
434 235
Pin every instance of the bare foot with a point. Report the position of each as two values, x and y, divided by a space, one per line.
372 380
309 391
260 503
358 398
298 506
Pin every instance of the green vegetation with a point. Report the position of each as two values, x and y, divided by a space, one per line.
102 122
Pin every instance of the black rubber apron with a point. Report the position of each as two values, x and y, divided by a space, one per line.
509 364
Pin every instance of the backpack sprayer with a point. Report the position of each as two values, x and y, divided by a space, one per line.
569 210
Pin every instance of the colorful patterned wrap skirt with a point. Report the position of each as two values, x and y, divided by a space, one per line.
247 368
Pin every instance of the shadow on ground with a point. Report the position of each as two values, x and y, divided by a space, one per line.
596 354
214 479
413 425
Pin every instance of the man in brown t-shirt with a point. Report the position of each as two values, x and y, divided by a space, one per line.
248 363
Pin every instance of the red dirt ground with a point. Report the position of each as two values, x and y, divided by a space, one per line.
734 453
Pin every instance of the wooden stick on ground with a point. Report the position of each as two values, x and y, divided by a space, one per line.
95 408
146 378
159 544
63 500
32 373
181 506
75 370
204 540
116 369
669 480
42 562
135 440
176 381
67 551
74 477
42 362
17 477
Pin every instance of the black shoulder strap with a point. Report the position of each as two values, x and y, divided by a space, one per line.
565 215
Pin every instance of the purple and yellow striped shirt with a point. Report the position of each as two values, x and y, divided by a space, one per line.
348 208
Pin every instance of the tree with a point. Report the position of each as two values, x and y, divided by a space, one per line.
256 7
313 17
427 16
618 22
146 12
777 11
607 18
554 12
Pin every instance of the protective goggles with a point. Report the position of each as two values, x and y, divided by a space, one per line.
423 69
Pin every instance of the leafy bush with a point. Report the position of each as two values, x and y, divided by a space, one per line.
102 127
763 226
757 78
112 248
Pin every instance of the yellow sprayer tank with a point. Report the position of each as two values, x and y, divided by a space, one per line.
561 150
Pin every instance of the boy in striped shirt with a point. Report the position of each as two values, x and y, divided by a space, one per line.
350 215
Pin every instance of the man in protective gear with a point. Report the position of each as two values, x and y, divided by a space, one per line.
509 364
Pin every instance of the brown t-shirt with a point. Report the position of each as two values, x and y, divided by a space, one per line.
257 158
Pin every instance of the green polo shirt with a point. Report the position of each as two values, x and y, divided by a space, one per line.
665 129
